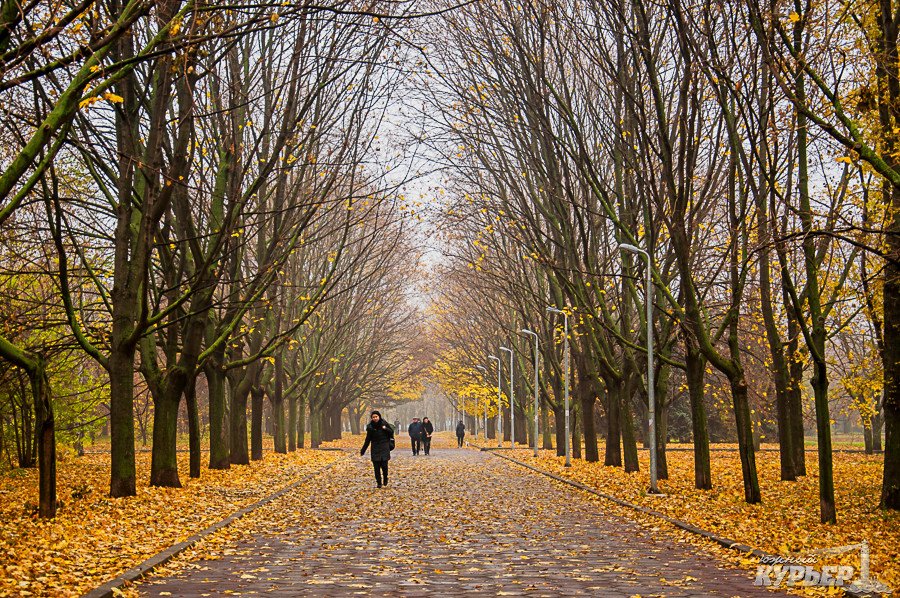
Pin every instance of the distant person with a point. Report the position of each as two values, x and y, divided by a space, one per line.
396 425
415 435
460 434
380 435
427 431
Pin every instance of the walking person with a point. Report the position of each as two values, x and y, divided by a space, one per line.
460 434
415 435
381 436
427 431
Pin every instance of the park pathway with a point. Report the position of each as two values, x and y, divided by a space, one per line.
458 521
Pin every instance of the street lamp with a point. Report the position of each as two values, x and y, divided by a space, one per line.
499 407
536 406
651 391
553 310
512 401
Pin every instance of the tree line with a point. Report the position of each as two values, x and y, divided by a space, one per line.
748 147
195 199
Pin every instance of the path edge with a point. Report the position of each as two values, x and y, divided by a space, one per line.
720 540
107 590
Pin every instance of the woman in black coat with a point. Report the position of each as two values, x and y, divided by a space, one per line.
427 431
380 435
460 434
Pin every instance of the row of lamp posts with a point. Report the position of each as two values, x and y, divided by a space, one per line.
651 394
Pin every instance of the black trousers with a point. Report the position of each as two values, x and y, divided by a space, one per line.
427 442
459 440
381 470
416 445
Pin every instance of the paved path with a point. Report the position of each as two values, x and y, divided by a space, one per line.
457 521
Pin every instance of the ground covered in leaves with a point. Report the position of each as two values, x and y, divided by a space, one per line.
786 522
455 522
95 537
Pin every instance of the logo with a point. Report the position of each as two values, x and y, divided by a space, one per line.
803 571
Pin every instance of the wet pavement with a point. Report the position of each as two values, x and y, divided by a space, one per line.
457 521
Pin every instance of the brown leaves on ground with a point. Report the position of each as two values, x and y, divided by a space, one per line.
95 537
786 522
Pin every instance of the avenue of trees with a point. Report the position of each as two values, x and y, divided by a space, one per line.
197 216
203 226
749 148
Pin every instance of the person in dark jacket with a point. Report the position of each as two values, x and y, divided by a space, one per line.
460 434
379 434
427 431
415 435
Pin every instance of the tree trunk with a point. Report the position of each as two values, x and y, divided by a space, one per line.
240 453
559 419
46 439
219 446
584 390
292 423
257 394
315 427
695 374
163 461
190 399
877 425
795 393
745 439
827 510
523 426
545 428
890 489
613 457
662 420
662 431
301 422
121 418
278 407
867 437
629 442
575 431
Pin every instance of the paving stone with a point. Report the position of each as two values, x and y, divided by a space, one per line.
457 522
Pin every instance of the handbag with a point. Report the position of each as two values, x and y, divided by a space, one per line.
392 445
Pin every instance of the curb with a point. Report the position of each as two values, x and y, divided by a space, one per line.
107 590
721 541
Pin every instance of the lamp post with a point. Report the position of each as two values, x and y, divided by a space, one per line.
651 391
536 406
512 401
499 406
565 316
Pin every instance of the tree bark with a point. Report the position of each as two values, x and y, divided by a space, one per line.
629 441
121 418
219 445
613 457
257 394
46 439
240 453
278 407
292 423
695 375
190 399
163 461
